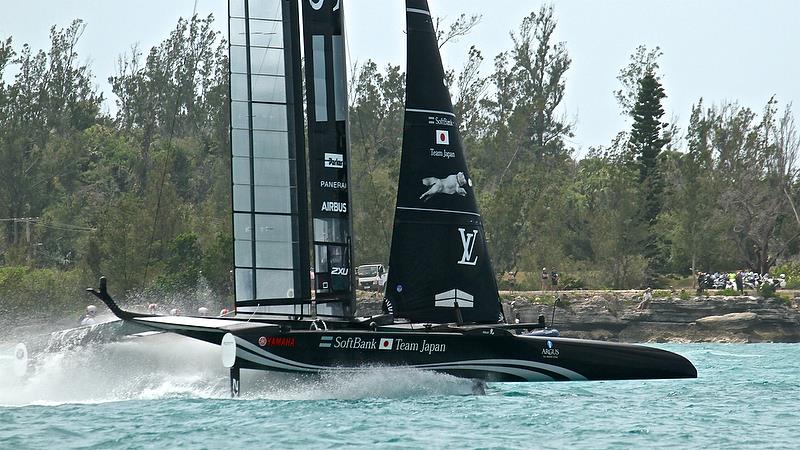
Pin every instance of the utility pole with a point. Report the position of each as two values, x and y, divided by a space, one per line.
15 226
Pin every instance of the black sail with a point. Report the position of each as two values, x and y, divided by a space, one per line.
328 154
439 270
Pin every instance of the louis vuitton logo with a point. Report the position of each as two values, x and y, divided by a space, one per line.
468 242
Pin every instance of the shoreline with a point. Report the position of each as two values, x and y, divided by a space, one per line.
602 315
613 316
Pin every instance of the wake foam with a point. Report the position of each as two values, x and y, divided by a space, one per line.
169 366
372 382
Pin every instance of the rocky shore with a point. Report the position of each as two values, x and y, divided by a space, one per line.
614 316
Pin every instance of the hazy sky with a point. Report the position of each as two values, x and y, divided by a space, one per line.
717 49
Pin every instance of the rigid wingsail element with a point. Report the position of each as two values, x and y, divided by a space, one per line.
439 270
329 155
270 213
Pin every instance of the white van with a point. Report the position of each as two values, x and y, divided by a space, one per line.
371 277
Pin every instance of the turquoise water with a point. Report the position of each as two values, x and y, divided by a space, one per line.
147 395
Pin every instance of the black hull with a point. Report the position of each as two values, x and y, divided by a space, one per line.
486 352
485 357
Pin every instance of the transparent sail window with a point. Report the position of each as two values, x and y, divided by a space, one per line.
265 9
266 33
240 143
267 116
236 8
239 87
339 78
275 255
273 228
238 32
240 115
242 200
241 170
271 144
321 260
268 88
270 199
275 283
244 284
330 230
244 253
266 61
320 83
271 172
242 227
238 57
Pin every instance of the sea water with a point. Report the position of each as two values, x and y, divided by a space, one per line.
170 392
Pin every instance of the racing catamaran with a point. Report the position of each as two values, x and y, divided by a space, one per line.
443 311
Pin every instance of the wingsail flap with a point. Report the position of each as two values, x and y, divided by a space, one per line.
438 262
329 155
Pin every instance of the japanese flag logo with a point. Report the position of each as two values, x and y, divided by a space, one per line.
386 344
442 137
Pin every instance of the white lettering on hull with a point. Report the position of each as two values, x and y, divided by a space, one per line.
355 343
425 347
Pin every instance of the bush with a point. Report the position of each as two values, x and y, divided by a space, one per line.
792 272
791 269
767 290
43 293
569 283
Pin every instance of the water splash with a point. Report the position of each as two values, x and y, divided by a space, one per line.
373 382
162 366
169 366
187 301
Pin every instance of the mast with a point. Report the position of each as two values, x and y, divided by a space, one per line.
270 212
439 270
328 152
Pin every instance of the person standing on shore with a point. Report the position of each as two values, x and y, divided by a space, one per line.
740 282
554 280
544 278
646 299
701 281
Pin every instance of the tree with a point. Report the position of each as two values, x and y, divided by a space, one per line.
461 27
691 201
642 62
647 141
376 123
524 163
51 101
610 195
755 164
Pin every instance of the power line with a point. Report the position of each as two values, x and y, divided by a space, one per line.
45 224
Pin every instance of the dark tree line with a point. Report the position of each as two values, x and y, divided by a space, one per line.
142 194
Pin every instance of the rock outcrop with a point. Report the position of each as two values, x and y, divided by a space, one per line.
614 316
